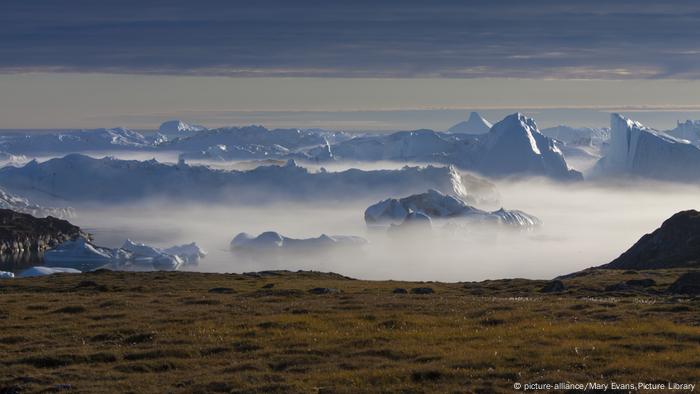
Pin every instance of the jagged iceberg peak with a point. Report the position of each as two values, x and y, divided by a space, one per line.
517 125
688 130
476 124
641 151
178 126
626 135
515 146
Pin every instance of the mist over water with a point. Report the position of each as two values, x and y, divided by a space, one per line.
584 225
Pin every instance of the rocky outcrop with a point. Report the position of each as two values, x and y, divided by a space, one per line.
688 283
22 233
676 244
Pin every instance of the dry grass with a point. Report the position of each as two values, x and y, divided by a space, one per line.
191 332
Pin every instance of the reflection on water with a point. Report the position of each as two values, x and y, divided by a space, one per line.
19 262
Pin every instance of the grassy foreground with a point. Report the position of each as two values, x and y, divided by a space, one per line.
190 332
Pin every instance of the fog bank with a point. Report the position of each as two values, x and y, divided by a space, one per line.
584 225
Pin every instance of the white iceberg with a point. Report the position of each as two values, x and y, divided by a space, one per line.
512 147
438 206
640 151
8 159
143 253
21 204
81 252
578 136
179 128
82 178
189 253
270 240
84 254
476 124
688 130
73 141
6 275
43 271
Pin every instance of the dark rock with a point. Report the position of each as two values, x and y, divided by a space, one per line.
555 286
688 283
11 390
23 233
622 286
323 290
268 286
399 290
426 376
91 285
676 244
641 282
632 284
222 290
422 290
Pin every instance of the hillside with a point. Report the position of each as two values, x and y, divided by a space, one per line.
310 332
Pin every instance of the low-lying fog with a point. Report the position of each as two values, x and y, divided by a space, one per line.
584 225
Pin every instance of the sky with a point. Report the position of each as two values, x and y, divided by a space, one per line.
377 64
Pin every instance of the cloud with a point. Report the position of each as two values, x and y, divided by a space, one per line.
382 38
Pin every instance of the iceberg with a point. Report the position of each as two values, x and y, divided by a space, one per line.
476 124
688 130
176 128
6 275
512 147
578 136
250 136
84 254
8 159
438 206
236 152
636 150
270 240
79 178
142 253
515 146
74 140
189 253
44 271
20 204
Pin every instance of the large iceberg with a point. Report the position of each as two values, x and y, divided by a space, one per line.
512 147
74 141
237 152
639 151
81 178
86 256
82 253
515 146
438 206
476 124
249 136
